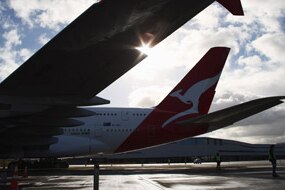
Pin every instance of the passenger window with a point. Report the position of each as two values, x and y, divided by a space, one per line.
107 124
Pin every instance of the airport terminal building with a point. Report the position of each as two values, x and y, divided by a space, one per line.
189 149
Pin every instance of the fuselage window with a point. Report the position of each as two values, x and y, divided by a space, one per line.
107 124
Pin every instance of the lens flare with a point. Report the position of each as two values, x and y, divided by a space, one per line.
145 49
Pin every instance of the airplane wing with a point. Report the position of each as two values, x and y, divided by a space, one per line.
229 116
83 59
96 49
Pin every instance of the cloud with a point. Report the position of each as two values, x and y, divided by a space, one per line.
272 46
11 54
12 38
7 62
43 39
264 14
147 96
24 54
1 7
48 14
8 54
202 22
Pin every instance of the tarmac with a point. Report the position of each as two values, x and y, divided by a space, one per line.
232 176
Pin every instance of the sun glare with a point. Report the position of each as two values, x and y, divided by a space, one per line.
145 49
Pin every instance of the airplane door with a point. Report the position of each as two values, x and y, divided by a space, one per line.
125 115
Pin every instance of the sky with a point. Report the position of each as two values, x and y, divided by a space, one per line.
255 67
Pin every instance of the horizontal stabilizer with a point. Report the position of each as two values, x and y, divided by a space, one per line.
234 6
229 116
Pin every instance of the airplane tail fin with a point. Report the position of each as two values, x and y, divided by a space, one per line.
195 92
234 6
192 97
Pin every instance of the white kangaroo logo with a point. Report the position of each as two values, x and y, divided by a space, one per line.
192 96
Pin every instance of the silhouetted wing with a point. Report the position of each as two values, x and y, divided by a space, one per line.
98 47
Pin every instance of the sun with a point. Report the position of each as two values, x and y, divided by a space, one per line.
145 49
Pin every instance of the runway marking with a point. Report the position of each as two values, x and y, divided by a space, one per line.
151 182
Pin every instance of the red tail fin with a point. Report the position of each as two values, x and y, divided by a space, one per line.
196 90
234 6
190 98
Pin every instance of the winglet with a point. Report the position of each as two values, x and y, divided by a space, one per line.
234 6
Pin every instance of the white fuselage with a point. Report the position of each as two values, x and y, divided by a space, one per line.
102 133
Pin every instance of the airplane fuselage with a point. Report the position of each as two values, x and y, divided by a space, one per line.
102 133
111 130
